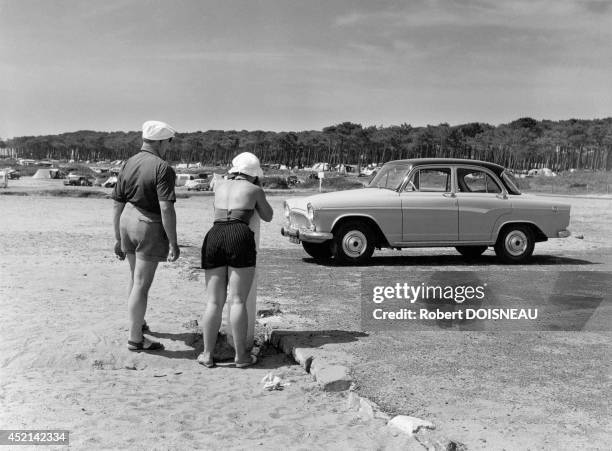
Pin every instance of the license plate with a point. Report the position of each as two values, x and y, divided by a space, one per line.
293 239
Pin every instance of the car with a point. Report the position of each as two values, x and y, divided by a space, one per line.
427 202
13 174
110 182
198 185
78 180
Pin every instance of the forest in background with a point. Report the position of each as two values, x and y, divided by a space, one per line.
522 144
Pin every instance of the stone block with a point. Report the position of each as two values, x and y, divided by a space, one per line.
332 377
409 425
303 356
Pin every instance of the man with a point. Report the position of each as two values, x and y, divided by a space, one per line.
145 223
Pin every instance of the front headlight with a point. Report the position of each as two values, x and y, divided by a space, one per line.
310 213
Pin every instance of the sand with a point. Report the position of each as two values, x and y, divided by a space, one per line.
63 357
64 362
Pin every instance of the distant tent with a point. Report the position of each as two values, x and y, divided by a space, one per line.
181 179
46 174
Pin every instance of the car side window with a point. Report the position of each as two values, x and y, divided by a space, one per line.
389 177
476 181
436 180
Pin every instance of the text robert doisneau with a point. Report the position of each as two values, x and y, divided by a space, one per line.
468 313
485 300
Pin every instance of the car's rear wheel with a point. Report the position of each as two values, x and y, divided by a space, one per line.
319 251
515 244
471 251
353 243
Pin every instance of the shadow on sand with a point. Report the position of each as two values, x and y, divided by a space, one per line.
269 358
458 260
315 339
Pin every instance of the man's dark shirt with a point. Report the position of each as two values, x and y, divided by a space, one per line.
145 180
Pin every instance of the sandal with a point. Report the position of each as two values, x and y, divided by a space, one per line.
253 361
207 363
140 346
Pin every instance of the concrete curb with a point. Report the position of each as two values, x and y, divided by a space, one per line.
417 433
329 376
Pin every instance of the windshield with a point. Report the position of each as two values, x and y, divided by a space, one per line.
390 176
508 179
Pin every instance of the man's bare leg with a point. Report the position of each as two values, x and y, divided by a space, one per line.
131 258
143 274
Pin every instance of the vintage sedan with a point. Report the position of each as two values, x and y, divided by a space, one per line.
198 185
433 202
79 180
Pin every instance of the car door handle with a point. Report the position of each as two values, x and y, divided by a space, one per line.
449 195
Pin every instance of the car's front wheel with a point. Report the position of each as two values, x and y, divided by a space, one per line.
471 251
318 251
353 243
515 244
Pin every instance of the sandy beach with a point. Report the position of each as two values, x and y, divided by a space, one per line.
64 362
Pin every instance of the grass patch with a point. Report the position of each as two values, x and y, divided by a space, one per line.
578 182
338 183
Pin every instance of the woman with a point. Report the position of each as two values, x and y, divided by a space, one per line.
229 254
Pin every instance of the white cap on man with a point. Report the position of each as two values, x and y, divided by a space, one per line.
157 131
246 163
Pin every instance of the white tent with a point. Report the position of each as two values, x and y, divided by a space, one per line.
181 179
542 171
46 174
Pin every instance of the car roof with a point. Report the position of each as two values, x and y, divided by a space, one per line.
497 169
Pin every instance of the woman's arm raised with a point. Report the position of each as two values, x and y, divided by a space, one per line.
263 207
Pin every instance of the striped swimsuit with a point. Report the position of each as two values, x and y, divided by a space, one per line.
230 241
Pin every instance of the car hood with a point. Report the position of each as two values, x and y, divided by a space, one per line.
361 197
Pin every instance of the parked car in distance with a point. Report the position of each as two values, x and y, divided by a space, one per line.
78 180
435 202
110 182
198 185
13 174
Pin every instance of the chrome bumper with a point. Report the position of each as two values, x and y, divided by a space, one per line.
308 236
564 233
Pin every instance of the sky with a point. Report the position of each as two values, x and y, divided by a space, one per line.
299 65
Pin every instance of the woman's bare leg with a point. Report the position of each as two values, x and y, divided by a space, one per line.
216 293
239 285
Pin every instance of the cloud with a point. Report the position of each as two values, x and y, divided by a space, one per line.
598 6
487 32
529 14
353 18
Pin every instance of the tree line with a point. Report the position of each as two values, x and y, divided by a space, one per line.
522 144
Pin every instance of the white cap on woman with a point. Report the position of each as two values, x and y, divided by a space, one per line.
246 163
